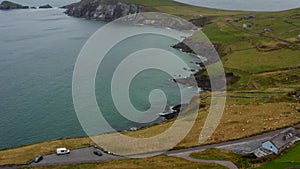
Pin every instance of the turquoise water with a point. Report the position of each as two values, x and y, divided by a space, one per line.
38 50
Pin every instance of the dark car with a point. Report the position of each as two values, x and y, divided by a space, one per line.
98 153
38 158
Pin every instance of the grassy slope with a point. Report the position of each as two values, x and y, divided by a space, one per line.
217 154
245 54
179 9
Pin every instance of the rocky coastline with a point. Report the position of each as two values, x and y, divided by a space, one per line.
110 10
102 10
206 50
7 5
45 6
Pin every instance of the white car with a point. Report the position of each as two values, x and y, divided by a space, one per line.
62 151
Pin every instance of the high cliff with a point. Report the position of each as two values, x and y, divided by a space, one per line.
104 10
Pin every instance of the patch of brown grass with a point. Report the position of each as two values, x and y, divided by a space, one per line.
241 121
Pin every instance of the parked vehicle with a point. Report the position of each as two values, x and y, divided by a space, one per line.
98 153
38 158
62 151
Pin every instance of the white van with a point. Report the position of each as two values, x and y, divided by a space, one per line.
61 151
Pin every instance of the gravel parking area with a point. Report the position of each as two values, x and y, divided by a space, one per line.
76 156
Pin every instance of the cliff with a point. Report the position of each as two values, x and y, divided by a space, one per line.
6 5
103 10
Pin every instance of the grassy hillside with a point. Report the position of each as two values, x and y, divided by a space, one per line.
240 161
179 9
250 52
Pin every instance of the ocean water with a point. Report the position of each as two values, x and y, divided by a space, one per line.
38 51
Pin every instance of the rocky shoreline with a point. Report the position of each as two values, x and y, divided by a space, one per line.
7 5
102 10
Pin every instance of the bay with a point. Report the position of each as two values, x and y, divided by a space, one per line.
38 51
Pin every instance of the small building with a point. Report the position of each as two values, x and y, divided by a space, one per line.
247 26
236 20
298 37
249 17
267 30
281 141
252 16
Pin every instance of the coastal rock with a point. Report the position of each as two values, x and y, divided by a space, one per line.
7 5
183 47
204 81
174 111
201 21
213 52
103 10
45 6
109 10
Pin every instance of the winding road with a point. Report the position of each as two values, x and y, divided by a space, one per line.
85 155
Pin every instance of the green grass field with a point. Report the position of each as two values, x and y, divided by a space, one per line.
249 52
253 61
217 154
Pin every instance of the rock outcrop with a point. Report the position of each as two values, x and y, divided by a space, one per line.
109 10
7 5
45 6
103 10
204 81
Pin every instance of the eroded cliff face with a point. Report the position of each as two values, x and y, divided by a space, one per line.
101 10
